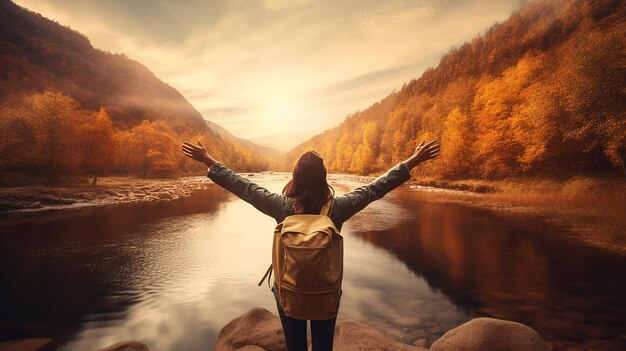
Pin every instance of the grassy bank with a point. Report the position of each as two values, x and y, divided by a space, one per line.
594 208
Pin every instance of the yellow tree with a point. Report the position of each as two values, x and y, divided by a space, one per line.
55 118
539 123
99 144
457 155
358 164
371 149
497 151
151 149
344 153
123 154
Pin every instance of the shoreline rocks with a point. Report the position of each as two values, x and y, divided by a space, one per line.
259 329
111 191
36 344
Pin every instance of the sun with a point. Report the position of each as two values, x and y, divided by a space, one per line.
280 112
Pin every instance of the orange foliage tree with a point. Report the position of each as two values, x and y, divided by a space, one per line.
148 149
99 144
55 119
457 157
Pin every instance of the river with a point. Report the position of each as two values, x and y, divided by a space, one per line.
172 273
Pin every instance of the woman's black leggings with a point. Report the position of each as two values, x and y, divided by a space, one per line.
322 333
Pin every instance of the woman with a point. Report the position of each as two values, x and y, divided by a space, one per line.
306 193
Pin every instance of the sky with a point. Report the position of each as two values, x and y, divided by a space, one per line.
277 72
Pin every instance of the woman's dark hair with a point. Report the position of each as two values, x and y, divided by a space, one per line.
308 187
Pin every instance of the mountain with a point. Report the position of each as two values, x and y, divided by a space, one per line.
283 138
226 135
106 102
539 94
39 54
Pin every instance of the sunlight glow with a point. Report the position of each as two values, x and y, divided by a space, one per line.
279 112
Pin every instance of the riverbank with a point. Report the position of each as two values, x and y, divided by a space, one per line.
110 190
593 209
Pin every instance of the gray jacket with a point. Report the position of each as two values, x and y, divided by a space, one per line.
279 206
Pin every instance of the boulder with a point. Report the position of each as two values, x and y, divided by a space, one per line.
489 334
353 336
259 329
126 346
38 344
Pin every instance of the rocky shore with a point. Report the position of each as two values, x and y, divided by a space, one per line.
260 330
111 190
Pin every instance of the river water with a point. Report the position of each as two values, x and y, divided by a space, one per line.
172 273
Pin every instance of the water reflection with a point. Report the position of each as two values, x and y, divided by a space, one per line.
513 268
60 270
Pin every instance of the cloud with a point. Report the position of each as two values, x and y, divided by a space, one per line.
278 64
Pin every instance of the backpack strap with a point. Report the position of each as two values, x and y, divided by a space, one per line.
325 208
267 273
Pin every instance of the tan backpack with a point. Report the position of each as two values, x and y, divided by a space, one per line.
307 262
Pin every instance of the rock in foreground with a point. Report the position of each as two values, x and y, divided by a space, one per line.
126 346
489 334
259 330
350 335
38 344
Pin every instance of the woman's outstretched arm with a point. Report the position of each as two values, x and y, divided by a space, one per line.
269 203
351 203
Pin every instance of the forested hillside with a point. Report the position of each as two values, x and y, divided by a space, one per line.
67 108
543 93
39 54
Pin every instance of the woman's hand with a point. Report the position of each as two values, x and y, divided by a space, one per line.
423 152
198 153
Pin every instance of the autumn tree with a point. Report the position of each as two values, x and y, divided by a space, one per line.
497 151
16 139
99 144
371 145
54 118
539 123
457 156
593 75
149 149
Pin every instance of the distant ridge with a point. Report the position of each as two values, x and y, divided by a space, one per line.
226 135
